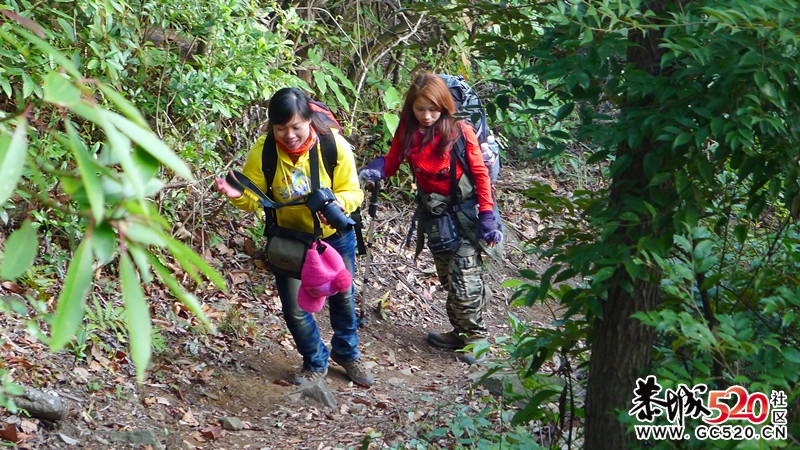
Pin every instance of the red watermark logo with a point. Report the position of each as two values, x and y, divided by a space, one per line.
748 412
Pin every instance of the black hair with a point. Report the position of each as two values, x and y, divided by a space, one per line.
289 102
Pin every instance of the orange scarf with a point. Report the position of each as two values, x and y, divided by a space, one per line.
312 139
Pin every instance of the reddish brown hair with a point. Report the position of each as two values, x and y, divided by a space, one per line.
431 87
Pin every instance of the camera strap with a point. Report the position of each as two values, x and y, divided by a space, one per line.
315 185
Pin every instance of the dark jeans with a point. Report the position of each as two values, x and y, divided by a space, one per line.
342 307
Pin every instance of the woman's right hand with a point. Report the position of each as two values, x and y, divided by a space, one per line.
225 188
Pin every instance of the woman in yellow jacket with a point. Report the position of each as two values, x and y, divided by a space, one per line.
296 131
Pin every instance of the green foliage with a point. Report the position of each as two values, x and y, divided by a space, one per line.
702 146
106 187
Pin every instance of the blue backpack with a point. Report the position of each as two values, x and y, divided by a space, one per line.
470 108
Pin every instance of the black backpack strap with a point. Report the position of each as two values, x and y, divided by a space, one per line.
269 162
330 153
330 158
314 163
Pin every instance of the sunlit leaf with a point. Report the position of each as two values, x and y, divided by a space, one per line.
178 291
152 145
121 147
392 121
88 171
137 316
141 259
104 242
20 251
190 261
127 108
60 90
12 159
144 234
72 300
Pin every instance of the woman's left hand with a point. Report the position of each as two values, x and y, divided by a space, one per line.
488 231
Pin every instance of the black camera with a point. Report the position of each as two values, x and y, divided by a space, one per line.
322 201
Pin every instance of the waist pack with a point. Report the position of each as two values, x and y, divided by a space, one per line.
442 233
286 251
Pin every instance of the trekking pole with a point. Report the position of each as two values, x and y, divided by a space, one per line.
372 211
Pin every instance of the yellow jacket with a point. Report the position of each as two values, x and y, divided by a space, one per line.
293 180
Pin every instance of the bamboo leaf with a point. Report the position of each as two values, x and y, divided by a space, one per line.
127 108
20 251
152 144
192 262
72 300
12 159
88 168
137 316
178 291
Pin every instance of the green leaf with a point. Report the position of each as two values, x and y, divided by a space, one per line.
20 251
791 354
740 232
534 406
703 249
72 300
104 242
51 52
127 108
144 234
137 316
564 111
391 98
12 159
321 81
190 261
121 147
88 168
392 121
140 257
152 144
178 291
60 90
682 139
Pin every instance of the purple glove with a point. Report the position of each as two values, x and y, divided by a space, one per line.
373 172
488 228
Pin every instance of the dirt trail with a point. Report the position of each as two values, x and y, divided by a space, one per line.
199 384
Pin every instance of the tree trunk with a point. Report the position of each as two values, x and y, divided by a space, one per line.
621 346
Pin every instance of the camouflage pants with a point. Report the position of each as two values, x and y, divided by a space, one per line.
461 275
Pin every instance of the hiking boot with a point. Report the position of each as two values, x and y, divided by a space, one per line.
307 376
356 371
449 340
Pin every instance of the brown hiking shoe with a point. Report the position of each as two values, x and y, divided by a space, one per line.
449 340
307 377
356 371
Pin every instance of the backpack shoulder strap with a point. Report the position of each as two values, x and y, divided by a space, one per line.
459 150
269 161
330 153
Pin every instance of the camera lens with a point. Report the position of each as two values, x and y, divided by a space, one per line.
322 201
336 218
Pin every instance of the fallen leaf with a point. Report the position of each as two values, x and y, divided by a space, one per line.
211 432
68 440
9 432
188 419
28 426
